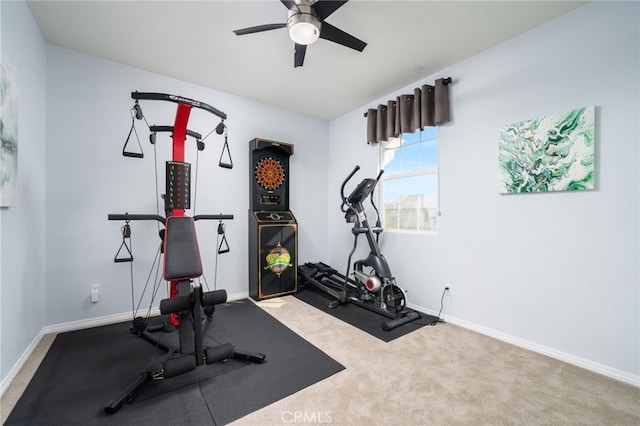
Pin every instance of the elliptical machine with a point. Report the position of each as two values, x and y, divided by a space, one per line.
373 286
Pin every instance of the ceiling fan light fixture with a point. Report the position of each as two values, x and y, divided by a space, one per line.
306 24
304 28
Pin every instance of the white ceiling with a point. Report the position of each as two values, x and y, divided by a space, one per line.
194 41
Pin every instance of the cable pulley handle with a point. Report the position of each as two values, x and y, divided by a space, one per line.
133 130
224 245
129 258
125 230
225 249
221 163
132 154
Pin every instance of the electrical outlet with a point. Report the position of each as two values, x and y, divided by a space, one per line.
95 293
447 291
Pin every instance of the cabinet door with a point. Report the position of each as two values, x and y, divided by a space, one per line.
277 262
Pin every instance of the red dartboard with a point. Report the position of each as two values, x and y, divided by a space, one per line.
269 173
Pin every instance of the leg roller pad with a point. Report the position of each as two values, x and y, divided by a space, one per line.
175 304
179 365
214 297
219 353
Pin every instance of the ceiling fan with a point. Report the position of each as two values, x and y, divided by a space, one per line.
306 23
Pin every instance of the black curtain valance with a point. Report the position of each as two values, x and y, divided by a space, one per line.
426 106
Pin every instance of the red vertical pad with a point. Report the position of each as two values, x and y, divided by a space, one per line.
179 137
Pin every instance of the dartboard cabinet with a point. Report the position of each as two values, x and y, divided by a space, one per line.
273 229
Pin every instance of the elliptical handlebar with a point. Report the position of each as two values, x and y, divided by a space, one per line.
345 206
378 225
365 189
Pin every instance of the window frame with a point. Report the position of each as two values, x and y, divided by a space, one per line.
426 171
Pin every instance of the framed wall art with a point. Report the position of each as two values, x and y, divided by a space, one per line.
8 133
552 153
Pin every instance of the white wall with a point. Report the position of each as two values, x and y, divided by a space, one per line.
555 272
22 232
88 104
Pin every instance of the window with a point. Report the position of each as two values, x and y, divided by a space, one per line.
409 185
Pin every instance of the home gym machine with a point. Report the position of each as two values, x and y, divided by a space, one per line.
189 307
373 286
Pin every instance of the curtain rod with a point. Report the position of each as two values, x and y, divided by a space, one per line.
445 82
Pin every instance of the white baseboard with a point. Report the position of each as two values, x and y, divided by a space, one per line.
80 325
595 367
20 363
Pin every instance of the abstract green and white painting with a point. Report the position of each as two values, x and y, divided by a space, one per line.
8 133
553 153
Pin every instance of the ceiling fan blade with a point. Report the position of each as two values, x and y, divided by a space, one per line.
290 4
299 53
325 8
336 35
259 28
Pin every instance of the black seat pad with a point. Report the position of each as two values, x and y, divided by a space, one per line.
181 251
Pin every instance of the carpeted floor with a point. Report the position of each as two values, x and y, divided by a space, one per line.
84 370
442 376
